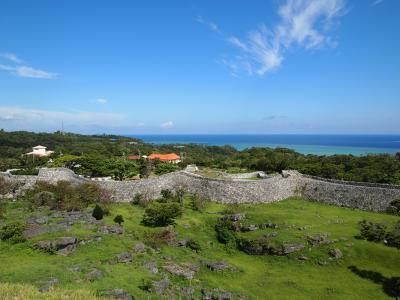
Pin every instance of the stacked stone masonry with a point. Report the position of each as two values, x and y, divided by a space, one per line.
375 197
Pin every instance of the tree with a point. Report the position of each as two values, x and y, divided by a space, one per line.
98 212
161 214
119 219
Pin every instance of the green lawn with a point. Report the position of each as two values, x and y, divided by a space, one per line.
257 277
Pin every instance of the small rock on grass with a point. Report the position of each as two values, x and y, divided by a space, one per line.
117 294
124 257
49 285
94 274
139 248
336 253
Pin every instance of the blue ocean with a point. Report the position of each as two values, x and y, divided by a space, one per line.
327 144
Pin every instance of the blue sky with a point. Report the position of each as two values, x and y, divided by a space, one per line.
136 67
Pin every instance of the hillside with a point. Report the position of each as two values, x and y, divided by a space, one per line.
186 260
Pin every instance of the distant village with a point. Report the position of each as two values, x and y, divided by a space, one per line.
173 158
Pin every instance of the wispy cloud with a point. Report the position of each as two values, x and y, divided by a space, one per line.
211 25
273 118
101 100
11 57
31 116
167 125
376 2
303 23
18 69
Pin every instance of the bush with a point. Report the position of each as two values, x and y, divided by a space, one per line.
13 232
65 196
394 207
160 238
141 200
225 233
119 219
45 198
180 194
98 212
164 168
166 195
7 186
371 231
192 244
393 237
259 246
197 203
161 214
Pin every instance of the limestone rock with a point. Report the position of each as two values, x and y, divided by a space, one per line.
112 229
218 266
117 294
49 285
139 248
160 286
178 270
336 253
94 274
124 257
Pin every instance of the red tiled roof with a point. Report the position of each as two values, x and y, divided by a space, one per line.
133 157
164 157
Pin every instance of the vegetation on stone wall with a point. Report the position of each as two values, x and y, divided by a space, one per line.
105 155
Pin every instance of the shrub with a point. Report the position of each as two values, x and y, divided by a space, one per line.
260 246
13 232
192 244
160 238
225 233
198 203
371 231
7 186
393 237
180 194
65 196
394 207
140 199
45 198
119 219
164 168
166 195
98 212
161 214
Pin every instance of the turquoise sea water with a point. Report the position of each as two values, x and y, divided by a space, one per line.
327 144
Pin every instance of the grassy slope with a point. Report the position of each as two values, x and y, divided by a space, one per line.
259 277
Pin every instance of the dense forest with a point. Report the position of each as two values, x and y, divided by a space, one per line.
105 155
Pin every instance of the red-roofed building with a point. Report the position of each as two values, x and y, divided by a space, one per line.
170 157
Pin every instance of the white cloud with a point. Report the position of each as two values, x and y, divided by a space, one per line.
303 23
376 2
211 25
22 70
101 100
167 125
12 57
35 119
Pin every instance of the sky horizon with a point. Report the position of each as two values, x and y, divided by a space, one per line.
200 67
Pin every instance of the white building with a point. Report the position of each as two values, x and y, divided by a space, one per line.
40 151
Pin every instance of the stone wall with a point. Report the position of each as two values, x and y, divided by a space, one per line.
366 196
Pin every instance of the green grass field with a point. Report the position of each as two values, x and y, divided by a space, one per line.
363 273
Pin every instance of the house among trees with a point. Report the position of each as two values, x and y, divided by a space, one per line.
40 151
172 158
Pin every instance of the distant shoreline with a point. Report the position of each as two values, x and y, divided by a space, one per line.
318 144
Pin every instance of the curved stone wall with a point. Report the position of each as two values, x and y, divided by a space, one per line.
366 196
